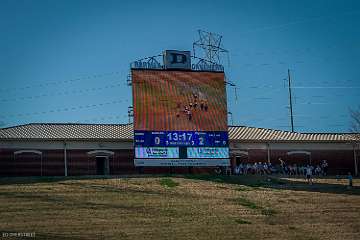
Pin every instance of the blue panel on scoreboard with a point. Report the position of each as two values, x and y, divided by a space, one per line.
181 138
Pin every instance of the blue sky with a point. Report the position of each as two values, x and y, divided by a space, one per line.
67 61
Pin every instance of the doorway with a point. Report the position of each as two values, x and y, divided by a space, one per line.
28 163
299 158
101 165
241 157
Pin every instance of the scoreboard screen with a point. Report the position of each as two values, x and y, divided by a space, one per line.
181 138
180 118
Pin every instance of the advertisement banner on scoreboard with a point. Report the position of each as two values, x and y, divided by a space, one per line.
207 152
182 162
156 152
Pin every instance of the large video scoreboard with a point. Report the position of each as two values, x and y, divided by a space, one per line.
180 118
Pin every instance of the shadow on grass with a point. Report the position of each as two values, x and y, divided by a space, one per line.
50 179
247 182
275 182
45 179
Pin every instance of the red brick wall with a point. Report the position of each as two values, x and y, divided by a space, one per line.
53 163
122 162
7 166
79 163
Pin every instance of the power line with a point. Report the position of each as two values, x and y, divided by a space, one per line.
65 109
92 120
84 91
315 103
328 87
102 118
306 20
58 82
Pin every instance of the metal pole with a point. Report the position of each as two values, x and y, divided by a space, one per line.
14 166
268 152
210 48
65 161
355 160
41 162
231 117
290 99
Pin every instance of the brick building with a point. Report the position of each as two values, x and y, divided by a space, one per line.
86 149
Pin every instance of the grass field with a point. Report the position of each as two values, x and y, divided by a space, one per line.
179 207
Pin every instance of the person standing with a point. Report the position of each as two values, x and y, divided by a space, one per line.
266 168
324 167
282 166
247 168
309 174
350 178
237 170
318 170
241 168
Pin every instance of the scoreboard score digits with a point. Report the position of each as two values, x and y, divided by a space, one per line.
181 138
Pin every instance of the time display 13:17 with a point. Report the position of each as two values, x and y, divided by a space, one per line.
180 138
186 138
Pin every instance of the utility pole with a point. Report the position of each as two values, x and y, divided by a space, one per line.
231 117
130 113
290 100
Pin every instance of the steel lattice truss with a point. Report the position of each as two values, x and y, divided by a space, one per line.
210 43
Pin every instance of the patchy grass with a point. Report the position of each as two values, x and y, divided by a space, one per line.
252 205
276 181
196 207
244 189
241 221
268 211
168 182
246 203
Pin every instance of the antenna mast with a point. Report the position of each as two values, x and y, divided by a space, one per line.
210 44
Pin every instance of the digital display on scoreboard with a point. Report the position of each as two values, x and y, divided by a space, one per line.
179 109
180 138
156 152
207 152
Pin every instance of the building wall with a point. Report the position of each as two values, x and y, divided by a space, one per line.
340 157
51 163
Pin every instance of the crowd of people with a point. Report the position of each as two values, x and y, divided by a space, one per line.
265 168
281 168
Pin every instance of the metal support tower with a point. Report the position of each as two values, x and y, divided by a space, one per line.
210 43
